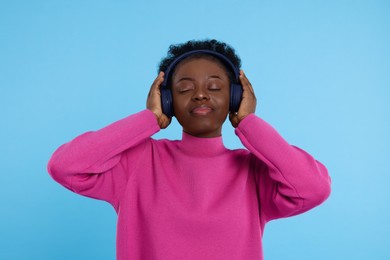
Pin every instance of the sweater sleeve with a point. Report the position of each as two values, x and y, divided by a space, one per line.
290 180
93 164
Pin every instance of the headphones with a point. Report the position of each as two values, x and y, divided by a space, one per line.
235 87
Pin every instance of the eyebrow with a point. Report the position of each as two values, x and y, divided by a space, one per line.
215 77
184 78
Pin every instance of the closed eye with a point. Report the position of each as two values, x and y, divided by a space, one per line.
215 83
184 89
215 86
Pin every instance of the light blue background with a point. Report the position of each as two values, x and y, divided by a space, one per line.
320 69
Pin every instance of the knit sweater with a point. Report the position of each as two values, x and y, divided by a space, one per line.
194 198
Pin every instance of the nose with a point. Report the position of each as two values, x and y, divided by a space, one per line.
200 95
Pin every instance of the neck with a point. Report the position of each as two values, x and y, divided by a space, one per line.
198 146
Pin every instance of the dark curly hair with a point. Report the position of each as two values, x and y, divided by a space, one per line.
175 50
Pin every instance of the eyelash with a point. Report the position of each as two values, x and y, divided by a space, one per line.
184 90
212 88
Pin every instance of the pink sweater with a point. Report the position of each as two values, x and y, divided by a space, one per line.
191 199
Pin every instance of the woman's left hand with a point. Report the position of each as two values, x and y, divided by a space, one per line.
248 102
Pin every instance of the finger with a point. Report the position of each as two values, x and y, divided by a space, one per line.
245 82
156 83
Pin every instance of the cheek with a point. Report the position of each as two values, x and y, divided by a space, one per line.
177 100
179 105
223 101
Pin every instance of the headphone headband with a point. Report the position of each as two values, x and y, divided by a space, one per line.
190 53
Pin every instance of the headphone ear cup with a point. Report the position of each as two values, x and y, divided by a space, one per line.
166 101
235 97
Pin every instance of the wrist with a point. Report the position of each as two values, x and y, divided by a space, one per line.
162 120
156 115
242 118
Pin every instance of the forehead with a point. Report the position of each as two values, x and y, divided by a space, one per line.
201 57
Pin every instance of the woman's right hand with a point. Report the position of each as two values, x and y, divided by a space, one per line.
153 102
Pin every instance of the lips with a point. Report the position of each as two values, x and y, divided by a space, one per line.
201 110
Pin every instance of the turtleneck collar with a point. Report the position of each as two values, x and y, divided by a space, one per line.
197 146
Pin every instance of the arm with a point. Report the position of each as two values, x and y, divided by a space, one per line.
91 164
98 164
292 181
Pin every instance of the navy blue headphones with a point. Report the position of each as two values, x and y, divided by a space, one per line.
235 86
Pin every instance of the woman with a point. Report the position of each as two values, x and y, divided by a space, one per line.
193 198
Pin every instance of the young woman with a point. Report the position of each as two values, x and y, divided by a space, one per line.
193 198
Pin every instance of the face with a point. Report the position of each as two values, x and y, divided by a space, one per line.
201 91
